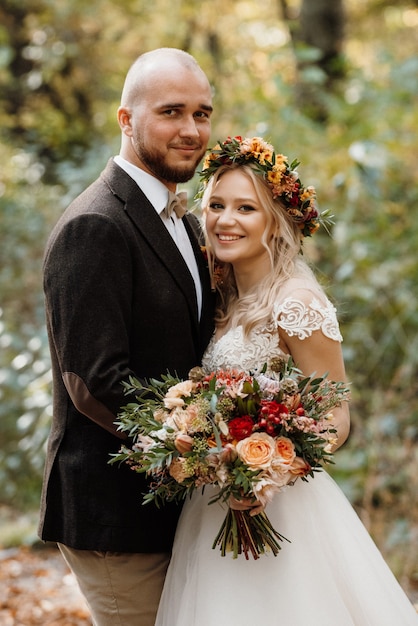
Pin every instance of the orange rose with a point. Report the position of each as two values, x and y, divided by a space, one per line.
256 451
284 451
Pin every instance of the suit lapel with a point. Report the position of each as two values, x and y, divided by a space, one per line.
147 221
195 234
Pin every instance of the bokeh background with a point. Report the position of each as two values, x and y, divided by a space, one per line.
332 82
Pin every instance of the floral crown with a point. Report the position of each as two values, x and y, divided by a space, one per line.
282 178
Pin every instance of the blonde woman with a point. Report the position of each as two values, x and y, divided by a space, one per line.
256 213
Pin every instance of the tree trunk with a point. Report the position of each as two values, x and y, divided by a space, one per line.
317 34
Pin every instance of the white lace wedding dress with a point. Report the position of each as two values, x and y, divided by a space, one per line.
331 574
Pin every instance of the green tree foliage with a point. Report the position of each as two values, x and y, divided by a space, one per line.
62 66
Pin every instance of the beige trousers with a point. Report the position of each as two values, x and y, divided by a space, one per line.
121 589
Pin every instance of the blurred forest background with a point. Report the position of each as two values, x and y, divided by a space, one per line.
332 82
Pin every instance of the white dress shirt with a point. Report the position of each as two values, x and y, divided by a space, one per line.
157 194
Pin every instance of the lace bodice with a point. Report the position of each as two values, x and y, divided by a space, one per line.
234 351
299 315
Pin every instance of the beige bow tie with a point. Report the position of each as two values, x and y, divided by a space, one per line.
177 203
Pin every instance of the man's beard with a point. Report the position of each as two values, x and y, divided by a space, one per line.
155 163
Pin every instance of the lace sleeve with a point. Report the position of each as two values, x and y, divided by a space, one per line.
298 318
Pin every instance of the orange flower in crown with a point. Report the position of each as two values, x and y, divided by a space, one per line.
258 149
298 201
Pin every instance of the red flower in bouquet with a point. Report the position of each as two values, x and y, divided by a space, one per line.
241 427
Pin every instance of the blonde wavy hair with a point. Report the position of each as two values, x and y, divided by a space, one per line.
284 248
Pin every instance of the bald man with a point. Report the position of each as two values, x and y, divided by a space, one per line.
127 294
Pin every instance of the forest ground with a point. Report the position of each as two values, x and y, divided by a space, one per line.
37 588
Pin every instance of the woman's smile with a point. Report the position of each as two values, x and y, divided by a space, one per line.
226 238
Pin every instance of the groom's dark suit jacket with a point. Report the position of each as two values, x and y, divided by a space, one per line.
120 301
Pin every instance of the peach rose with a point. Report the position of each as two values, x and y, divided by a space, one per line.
174 396
256 451
284 452
182 419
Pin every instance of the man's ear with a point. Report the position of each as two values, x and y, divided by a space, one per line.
124 118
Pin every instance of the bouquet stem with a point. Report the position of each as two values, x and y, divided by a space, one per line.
242 533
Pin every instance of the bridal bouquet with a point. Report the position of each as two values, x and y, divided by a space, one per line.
251 435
